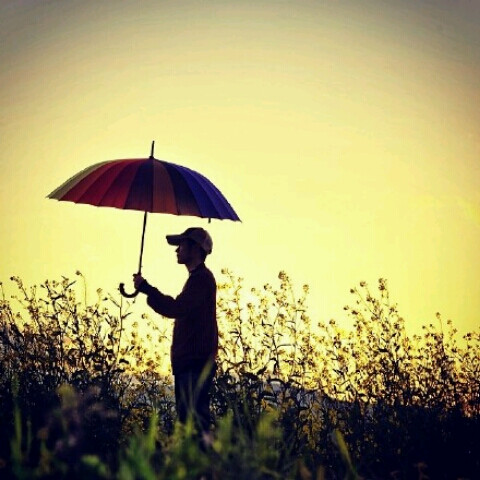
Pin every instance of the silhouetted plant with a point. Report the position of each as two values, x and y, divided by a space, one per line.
57 339
284 385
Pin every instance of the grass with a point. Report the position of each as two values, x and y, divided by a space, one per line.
81 396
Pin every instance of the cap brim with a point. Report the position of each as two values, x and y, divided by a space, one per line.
175 239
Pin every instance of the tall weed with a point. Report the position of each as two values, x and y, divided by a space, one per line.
88 387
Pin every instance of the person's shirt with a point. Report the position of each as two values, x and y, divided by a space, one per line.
195 333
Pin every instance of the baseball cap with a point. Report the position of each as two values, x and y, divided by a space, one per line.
197 234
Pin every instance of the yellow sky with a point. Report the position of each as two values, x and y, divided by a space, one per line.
345 135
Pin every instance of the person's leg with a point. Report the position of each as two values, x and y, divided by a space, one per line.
202 398
192 395
183 396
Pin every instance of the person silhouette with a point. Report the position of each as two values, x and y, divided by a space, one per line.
195 333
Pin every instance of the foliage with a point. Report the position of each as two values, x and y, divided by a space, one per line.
83 394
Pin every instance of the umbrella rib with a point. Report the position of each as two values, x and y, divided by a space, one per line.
141 188
163 193
124 179
185 200
74 181
221 206
109 176
196 180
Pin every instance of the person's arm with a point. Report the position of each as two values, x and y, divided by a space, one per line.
191 297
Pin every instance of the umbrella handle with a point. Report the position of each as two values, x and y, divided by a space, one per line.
121 287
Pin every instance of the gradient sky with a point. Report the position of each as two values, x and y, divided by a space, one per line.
345 134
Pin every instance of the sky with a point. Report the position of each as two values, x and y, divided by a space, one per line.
345 134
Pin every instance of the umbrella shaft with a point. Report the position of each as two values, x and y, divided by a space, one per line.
141 246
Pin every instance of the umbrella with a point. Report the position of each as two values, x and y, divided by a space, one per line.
148 185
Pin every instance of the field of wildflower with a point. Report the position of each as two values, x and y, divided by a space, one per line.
86 391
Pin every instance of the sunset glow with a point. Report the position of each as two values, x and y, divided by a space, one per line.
346 135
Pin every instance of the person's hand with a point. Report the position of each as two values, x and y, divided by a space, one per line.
137 280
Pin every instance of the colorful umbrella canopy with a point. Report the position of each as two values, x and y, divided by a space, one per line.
148 185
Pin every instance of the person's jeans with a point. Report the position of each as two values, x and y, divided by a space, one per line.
192 395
